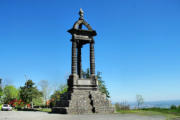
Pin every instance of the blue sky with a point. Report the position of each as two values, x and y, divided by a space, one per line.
137 46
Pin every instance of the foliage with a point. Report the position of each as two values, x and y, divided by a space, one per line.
178 107
56 95
10 93
140 100
46 90
86 74
38 101
173 107
122 106
0 106
19 106
1 91
62 89
17 103
29 92
101 83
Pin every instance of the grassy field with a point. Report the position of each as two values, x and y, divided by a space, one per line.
168 113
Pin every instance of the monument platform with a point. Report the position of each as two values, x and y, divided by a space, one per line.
83 102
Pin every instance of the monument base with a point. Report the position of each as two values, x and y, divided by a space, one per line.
80 102
88 84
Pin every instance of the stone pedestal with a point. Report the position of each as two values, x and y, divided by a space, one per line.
83 102
76 83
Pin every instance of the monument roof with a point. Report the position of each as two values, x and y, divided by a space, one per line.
77 27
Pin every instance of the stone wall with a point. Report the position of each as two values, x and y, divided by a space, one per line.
79 102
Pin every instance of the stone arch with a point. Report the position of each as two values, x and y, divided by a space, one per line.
82 22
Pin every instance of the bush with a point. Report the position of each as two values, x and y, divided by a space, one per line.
178 107
173 107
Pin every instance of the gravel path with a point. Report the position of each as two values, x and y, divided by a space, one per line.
23 115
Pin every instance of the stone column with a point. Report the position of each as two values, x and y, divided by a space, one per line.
92 59
79 62
74 59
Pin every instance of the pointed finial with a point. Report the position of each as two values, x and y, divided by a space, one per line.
81 13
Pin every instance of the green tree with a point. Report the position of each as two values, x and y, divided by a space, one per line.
101 83
38 101
56 95
1 91
10 93
86 74
173 107
29 92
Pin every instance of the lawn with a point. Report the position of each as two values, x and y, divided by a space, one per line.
168 113
44 109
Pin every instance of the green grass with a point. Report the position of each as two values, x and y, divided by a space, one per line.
44 109
165 110
169 114
0 106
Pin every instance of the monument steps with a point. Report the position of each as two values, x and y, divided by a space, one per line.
79 102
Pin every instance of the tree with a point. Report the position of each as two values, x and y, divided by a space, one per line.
46 90
29 92
86 74
101 83
1 91
140 100
38 101
10 93
56 95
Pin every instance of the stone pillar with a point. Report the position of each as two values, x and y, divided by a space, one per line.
74 59
92 59
79 62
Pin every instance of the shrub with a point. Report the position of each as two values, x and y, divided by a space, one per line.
178 107
173 107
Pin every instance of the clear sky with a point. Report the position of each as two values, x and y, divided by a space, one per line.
137 48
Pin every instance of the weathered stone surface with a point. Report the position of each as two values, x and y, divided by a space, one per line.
80 102
83 95
84 82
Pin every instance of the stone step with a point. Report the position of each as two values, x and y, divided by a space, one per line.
63 103
79 102
73 110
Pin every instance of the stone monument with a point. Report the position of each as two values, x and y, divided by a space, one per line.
83 95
